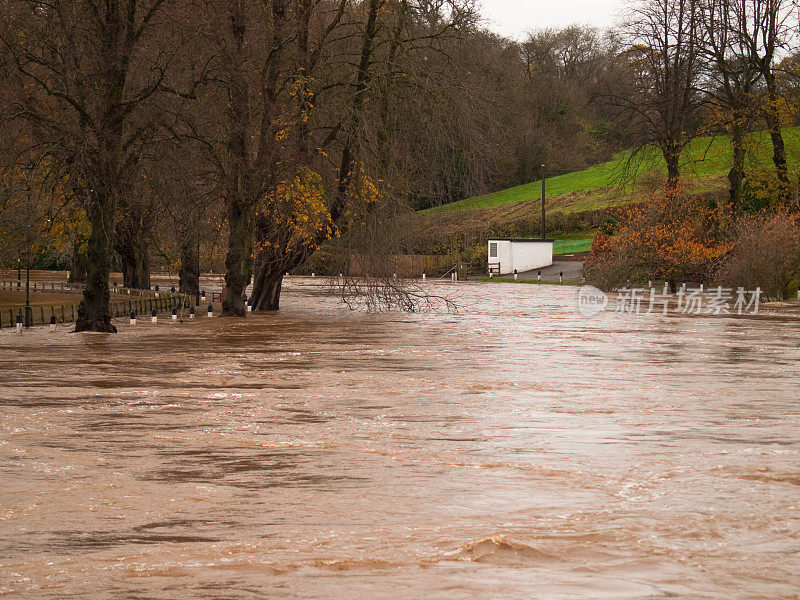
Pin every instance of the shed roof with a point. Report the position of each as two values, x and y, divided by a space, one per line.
524 240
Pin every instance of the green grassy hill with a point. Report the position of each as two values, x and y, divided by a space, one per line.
577 203
705 161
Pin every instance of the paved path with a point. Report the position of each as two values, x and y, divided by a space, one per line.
573 270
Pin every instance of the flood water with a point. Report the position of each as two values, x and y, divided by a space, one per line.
512 450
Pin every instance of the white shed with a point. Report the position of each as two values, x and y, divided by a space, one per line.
506 255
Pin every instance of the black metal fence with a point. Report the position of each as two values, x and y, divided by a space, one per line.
142 301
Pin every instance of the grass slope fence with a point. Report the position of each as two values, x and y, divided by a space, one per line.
142 301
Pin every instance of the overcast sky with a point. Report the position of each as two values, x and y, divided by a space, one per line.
513 18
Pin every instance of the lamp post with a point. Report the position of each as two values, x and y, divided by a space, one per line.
19 272
197 285
28 309
544 225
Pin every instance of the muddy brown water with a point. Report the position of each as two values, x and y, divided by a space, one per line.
512 450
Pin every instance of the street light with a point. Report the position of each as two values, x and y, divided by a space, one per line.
544 226
28 309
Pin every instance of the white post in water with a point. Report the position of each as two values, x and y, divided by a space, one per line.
19 324
424 276
52 322
154 316
701 288
132 317
174 313
210 311
515 274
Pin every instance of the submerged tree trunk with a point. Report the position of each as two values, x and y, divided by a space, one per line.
131 245
189 273
135 265
267 289
238 261
94 313
272 264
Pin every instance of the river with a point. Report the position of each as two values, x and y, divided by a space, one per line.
513 449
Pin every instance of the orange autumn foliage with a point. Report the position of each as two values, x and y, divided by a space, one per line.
294 217
669 236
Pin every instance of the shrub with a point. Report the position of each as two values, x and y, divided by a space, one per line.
609 226
766 254
761 191
669 236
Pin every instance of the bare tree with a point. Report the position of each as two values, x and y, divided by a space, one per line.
85 70
770 31
732 79
664 41
347 123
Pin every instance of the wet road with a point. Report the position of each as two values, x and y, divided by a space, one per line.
512 450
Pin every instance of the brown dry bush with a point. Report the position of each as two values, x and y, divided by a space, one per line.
766 255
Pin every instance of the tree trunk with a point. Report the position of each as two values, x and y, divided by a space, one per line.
779 158
773 120
94 313
78 268
672 156
349 151
239 261
189 273
135 265
778 147
267 289
736 174
131 245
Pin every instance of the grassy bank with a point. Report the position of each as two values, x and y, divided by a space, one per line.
706 161
570 245
578 203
